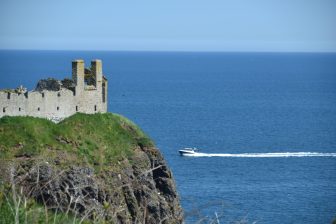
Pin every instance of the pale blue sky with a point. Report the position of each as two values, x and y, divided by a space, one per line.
175 25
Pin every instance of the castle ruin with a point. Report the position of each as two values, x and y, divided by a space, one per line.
55 100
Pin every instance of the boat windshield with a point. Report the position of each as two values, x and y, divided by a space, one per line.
191 149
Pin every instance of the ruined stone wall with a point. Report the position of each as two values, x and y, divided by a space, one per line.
56 105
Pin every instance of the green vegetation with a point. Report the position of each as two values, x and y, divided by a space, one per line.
98 168
15 208
8 90
96 139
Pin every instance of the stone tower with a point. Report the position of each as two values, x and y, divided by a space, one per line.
78 75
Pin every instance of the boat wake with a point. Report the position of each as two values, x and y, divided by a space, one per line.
263 155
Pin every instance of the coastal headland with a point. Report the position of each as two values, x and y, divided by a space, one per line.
93 168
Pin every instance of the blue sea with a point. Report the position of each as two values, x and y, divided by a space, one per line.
222 103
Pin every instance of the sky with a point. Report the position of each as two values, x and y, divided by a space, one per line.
170 25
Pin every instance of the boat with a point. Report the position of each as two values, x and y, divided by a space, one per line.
187 151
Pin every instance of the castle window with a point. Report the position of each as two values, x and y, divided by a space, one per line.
57 108
38 109
103 92
8 95
58 94
95 108
76 108
4 110
42 95
19 108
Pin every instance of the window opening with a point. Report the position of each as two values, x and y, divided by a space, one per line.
103 93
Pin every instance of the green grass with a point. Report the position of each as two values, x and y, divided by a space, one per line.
97 139
30 211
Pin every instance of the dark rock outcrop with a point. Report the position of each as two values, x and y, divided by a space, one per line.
48 84
68 84
52 84
138 190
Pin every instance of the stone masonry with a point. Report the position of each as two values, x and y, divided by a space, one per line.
56 100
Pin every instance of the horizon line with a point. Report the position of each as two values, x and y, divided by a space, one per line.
171 51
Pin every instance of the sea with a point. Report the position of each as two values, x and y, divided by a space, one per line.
265 124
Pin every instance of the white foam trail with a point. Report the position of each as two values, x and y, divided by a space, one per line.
264 155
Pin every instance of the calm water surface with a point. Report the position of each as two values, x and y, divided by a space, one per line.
222 103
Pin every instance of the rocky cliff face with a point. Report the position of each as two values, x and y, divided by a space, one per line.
138 188
141 190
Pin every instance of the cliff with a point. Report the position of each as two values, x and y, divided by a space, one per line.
94 168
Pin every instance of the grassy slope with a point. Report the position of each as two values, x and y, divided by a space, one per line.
95 139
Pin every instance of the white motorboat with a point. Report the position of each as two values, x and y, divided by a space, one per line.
187 151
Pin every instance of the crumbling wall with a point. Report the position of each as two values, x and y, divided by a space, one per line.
56 100
54 105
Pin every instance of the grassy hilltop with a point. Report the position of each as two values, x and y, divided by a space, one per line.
95 139
98 168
